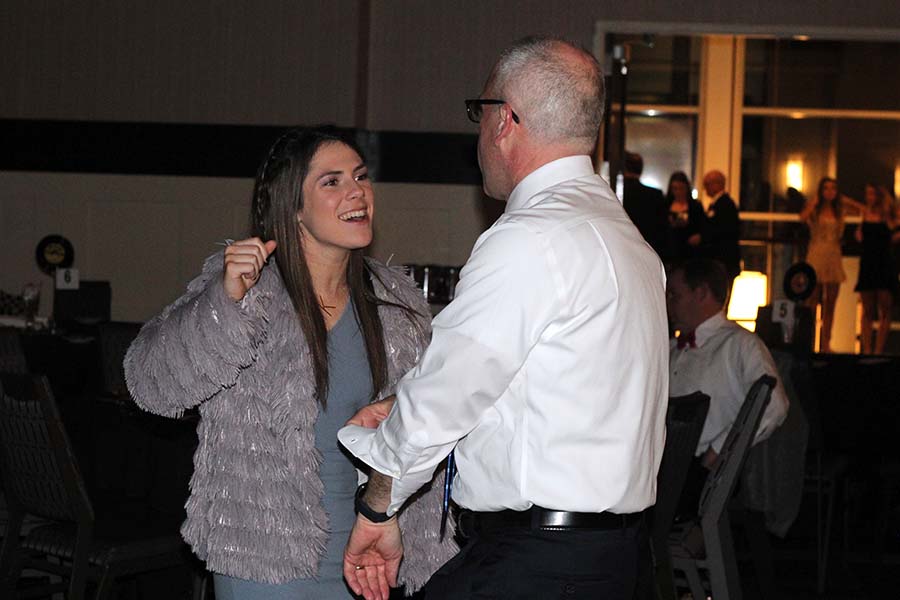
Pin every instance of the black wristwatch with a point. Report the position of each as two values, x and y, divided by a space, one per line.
365 510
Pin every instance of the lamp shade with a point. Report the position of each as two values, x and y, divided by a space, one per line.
794 173
748 293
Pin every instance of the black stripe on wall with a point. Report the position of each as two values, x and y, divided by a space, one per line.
217 150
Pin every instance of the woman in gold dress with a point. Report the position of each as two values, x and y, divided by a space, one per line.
824 214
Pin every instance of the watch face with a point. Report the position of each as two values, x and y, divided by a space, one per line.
54 252
799 281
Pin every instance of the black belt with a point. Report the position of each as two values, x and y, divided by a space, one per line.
472 522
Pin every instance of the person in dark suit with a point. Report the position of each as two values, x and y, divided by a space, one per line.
719 239
645 205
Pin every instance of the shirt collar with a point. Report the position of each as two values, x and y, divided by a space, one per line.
548 175
707 328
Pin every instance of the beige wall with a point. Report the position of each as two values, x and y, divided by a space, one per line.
149 235
430 223
146 235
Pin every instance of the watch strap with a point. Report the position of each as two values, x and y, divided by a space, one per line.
365 510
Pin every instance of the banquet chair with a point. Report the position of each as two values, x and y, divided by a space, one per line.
12 355
41 479
122 458
684 422
718 558
826 475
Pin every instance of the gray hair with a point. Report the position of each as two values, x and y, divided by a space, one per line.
558 97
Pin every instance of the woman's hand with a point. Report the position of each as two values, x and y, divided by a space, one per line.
854 205
371 415
244 261
372 558
809 207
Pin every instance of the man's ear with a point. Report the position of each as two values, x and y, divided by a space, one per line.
505 123
702 293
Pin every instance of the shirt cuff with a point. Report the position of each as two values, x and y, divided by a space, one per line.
369 446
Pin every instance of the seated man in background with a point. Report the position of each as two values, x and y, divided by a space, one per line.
719 358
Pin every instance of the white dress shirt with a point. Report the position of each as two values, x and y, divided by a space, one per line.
548 370
727 361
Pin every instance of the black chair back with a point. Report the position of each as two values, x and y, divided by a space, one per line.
39 472
719 560
684 423
115 337
721 482
41 477
12 354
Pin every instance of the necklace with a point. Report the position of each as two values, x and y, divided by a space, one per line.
326 308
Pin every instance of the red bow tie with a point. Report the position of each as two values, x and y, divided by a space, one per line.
687 339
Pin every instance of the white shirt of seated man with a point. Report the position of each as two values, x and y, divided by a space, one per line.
721 359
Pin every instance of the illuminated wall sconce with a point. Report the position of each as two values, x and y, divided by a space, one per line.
748 292
897 181
794 173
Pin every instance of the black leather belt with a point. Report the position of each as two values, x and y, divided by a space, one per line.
472 522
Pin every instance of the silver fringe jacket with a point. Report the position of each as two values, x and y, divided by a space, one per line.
255 508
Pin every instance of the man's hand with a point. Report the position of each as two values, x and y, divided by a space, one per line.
372 558
372 414
709 459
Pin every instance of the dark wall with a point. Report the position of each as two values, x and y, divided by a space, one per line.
383 64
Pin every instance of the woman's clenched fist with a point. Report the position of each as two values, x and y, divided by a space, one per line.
244 261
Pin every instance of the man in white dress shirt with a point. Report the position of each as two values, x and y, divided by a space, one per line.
547 373
719 358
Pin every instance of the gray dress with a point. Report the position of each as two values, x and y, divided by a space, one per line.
349 389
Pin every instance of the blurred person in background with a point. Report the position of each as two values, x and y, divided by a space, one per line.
722 229
824 215
686 219
877 276
645 205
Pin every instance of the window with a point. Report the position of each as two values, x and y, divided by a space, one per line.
822 74
776 114
662 90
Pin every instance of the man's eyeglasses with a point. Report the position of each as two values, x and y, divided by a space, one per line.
475 107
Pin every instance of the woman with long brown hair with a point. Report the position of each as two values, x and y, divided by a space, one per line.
686 219
824 214
279 341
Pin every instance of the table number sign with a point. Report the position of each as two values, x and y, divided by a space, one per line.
783 312
67 279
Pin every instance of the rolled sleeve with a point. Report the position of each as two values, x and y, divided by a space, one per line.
370 446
